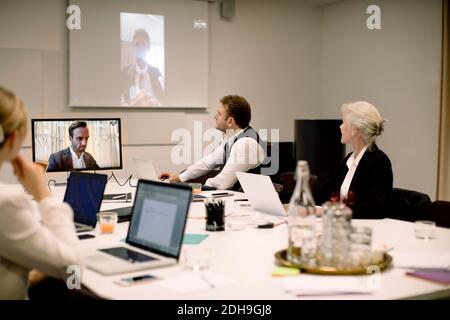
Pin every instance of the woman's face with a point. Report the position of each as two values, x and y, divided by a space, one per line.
346 130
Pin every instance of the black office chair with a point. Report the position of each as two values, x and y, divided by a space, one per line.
52 289
407 205
439 212
288 182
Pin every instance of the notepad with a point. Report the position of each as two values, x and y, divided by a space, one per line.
194 238
215 195
285 272
117 196
441 276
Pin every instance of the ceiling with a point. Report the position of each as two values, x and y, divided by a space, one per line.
321 2
312 2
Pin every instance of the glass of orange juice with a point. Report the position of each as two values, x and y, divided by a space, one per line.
196 187
107 222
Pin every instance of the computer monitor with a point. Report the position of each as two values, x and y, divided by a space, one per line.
77 143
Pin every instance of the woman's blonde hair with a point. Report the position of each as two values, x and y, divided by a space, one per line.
13 115
366 118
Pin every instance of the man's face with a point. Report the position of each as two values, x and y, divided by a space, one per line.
80 139
142 47
221 118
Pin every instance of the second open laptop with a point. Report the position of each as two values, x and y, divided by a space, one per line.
155 233
261 193
84 193
144 169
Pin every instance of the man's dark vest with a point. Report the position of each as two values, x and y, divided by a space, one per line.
249 132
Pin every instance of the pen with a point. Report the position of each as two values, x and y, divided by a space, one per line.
236 200
220 194
266 226
279 223
211 285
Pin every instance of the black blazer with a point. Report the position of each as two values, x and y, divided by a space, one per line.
62 160
371 185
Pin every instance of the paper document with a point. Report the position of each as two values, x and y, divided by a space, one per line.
194 281
435 260
309 285
210 195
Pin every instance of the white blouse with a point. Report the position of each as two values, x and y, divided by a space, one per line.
352 165
50 245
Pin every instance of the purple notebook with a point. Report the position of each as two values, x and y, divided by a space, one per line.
441 276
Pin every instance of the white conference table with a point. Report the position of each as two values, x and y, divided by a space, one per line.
247 258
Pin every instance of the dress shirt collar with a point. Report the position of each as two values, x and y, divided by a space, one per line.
74 155
352 161
230 140
140 70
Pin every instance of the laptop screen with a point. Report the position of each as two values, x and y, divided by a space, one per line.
159 217
84 193
261 193
144 169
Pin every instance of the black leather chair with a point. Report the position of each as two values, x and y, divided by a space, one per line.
407 205
288 182
439 212
52 289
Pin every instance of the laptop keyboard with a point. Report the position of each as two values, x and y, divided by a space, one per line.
128 255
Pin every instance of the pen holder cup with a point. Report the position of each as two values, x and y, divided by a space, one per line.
215 212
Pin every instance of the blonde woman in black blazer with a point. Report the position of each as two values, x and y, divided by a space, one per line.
365 176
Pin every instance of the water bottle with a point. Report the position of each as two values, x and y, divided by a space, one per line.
301 220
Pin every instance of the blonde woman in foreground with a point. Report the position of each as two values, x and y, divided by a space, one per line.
50 245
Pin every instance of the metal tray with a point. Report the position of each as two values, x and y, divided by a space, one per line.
281 260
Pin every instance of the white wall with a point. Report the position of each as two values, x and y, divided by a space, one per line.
396 68
289 58
269 53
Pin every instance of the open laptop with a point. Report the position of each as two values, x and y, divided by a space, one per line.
155 233
144 169
261 193
84 193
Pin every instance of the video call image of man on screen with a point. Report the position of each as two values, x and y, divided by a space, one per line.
75 156
142 81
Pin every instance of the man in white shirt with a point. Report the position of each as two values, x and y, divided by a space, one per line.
241 149
75 156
